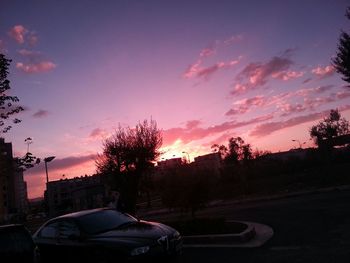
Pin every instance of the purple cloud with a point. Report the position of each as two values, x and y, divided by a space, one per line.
193 124
63 163
196 70
40 67
268 128
18 33
97 133
244 105
323 72
191 134
257 74
29 53
41 114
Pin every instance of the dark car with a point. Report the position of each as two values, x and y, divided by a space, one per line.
17 245
100 235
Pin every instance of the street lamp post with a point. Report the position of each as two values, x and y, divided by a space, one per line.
47 160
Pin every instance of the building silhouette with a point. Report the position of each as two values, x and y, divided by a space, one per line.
210 161
79 193
13 188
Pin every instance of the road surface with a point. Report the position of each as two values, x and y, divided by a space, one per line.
309 228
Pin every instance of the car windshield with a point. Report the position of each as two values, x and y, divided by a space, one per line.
103 221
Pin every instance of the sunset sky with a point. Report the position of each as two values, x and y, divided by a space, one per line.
204 70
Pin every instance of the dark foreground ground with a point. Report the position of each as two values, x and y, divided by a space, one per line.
308 228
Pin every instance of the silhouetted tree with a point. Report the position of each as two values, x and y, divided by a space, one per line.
127 155
8 108
222 149
258 154
342 60
238 150
7 102
247 153
332 126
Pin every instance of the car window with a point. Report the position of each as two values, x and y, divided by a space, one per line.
49 231
68 228
103 221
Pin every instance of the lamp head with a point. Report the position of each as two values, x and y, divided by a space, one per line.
49 159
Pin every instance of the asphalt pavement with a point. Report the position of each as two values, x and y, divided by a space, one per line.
307 228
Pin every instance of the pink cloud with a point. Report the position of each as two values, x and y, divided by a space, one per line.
222 139
17 33
324 72
288 108
33 39
196 70
21 34
311 103
257 74
207 52
192 69
43 66
187 135
40 114
243 106
307 80
288 75
193 124
97 133
207 72
239 88
342 94
29 53
316 90
268 128
233 39
281 101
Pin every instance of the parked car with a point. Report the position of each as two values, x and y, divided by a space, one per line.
17 245
100 235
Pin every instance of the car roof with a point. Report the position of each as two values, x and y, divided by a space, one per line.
82 213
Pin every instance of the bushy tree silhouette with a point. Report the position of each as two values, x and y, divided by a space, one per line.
342 60
332 126
127 155
7 102
8 108
238 150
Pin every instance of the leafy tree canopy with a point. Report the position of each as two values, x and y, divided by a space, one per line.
130 149
237 150
127 155
342 60
331 126
7 102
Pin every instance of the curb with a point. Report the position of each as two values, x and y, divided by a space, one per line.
254 236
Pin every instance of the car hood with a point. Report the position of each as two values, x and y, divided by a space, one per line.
137 230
